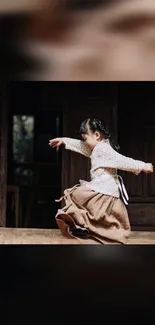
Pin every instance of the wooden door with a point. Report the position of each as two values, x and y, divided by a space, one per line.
35 114
136 108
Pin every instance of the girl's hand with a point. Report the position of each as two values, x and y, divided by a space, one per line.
148 168
55 143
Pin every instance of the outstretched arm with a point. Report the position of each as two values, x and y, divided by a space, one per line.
71 144
110 158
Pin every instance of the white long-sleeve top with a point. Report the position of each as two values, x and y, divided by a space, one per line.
104 164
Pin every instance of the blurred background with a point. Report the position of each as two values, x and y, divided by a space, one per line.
77 39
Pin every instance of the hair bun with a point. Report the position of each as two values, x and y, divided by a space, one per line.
95 124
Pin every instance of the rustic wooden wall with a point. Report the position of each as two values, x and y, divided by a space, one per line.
129 109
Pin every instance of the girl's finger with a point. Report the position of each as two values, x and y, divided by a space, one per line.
52 141
59 143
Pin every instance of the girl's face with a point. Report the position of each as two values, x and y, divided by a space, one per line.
91 139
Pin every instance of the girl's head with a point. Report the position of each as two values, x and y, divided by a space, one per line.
94 130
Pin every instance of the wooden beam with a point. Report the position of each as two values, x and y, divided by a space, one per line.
3 155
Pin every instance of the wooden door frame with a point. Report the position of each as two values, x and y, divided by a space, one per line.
3 154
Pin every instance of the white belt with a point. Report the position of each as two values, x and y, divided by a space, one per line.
122 189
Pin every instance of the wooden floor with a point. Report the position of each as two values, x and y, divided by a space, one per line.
53 236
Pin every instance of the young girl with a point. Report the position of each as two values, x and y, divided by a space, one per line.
96 209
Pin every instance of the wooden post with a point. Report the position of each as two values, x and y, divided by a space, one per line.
3 155
115 112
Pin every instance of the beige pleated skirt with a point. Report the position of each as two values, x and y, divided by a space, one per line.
92 217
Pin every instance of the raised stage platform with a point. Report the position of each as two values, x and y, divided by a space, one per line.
53 236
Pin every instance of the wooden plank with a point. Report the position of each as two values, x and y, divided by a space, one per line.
53 236
142 214
3 157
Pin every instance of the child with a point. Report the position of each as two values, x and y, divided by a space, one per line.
96 209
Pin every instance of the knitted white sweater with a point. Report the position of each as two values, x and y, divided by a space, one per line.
104 164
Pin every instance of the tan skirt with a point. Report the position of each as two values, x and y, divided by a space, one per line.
93 217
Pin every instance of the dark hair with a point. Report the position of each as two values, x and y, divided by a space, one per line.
94 124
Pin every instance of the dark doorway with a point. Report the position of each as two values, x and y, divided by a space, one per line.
34 169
